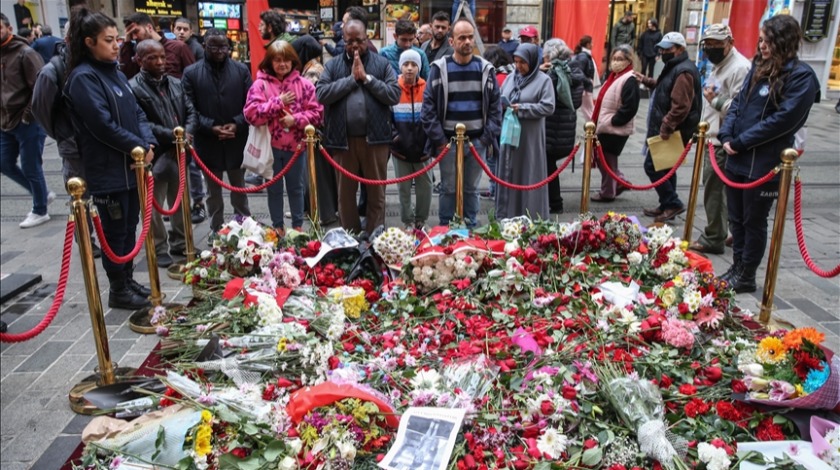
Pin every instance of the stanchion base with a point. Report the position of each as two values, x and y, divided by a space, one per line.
174 271
79 404
775 325
141 320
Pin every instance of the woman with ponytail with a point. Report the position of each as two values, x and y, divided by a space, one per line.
108 125
771 107
615 109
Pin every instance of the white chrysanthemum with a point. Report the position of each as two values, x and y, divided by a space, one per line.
552 442
635 258
714 457
267 309
426 380
693 299
394 246
630 320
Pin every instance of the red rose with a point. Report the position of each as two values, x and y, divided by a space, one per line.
687 389
738 386
727 411
284 383
546 408
569 392
333 362
590 443
469 461
616 466
240 452
713 373
665 381
696 407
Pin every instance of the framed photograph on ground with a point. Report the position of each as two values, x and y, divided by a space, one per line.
424 440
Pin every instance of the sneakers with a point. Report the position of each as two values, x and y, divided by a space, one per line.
50 197
199 213
485 195
33 220
254 179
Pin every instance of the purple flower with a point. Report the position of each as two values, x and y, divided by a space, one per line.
780 390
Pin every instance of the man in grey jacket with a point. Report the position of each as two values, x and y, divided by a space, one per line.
728 73
449 99
357 89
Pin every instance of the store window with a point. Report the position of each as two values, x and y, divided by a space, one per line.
834 71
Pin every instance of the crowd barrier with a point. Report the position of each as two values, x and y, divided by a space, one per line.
108 373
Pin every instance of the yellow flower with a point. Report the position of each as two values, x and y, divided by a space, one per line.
282 344
683 245
800 391
308 433
678 281
771 350
668 296
202 440
206 417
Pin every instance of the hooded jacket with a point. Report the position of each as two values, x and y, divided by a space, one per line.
335 86
218 93
761 122
561 126
49 107
409 141
166 106
435 100
109 125
264 107
20 65
392 53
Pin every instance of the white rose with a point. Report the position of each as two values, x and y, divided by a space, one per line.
294 446
635 258
288 463
347 450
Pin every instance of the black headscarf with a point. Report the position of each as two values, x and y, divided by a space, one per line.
530 54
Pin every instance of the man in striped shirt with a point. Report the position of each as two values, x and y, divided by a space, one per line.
462 88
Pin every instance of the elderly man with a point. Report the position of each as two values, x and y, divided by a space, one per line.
728 73
166 106
139 27
357 90
675 106
424 33
462 88
438 46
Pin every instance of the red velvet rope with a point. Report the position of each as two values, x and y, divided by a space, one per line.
251 189
182 182
732 184
147 221
401 179
523 187
59 293
800 234
603 162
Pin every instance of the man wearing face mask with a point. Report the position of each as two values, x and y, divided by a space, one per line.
728 73
676 104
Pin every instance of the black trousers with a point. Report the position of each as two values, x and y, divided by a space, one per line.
119 213
648 64
748 211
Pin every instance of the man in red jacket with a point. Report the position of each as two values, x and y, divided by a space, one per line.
139 27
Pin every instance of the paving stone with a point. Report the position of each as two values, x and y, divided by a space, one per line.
14 384
28 347
117 316
57 453
8 364
778 303
832 326
77 425
18 308
829 287
117 348
813 310
60 374
44 357
37 436
22 412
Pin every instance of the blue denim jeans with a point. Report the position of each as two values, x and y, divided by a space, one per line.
294 187
27 141
667 191
456 4
472 176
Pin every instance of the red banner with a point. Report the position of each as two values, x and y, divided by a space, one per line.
255 42
743 19
574 19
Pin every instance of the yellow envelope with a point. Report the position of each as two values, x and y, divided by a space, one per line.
665 153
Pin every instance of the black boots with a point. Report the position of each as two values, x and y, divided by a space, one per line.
730 273
134 285
741 278
124 295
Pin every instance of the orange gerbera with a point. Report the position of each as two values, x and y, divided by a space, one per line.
793 339
771 350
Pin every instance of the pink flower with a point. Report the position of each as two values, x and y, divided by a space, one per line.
677 333
780 390
708 316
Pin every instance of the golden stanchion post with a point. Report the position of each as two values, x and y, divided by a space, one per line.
140 321
789 156
588 154
313 177
106 374
460 137
186 204
702 128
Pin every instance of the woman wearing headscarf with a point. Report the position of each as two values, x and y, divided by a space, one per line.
567 78
531 96
615 109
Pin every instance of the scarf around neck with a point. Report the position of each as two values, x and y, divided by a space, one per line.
564 82
610 81
529 53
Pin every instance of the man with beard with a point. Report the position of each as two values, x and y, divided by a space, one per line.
162 99
217 88
438 47
139 27
272 28
728 73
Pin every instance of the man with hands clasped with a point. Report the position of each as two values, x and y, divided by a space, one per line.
357 89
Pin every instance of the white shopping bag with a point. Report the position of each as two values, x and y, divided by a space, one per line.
258 156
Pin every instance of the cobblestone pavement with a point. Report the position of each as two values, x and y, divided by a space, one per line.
38 429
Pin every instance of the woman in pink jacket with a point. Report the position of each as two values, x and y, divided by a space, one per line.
282 99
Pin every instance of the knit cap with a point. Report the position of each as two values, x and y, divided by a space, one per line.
410 55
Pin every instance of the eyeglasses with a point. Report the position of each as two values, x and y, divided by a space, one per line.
218 48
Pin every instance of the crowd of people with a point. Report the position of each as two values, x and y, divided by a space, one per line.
100 97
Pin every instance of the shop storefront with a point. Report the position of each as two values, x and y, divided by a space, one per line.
230 18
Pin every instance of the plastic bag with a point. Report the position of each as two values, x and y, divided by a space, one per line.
511 129
258 156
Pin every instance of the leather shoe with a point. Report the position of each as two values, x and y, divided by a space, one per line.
728 241
700 248
140 289
599 198
652 212
127 299
164 260
669 214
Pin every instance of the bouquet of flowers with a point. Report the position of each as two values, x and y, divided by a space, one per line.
791 370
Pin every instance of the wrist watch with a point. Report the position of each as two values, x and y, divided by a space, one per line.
368 78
